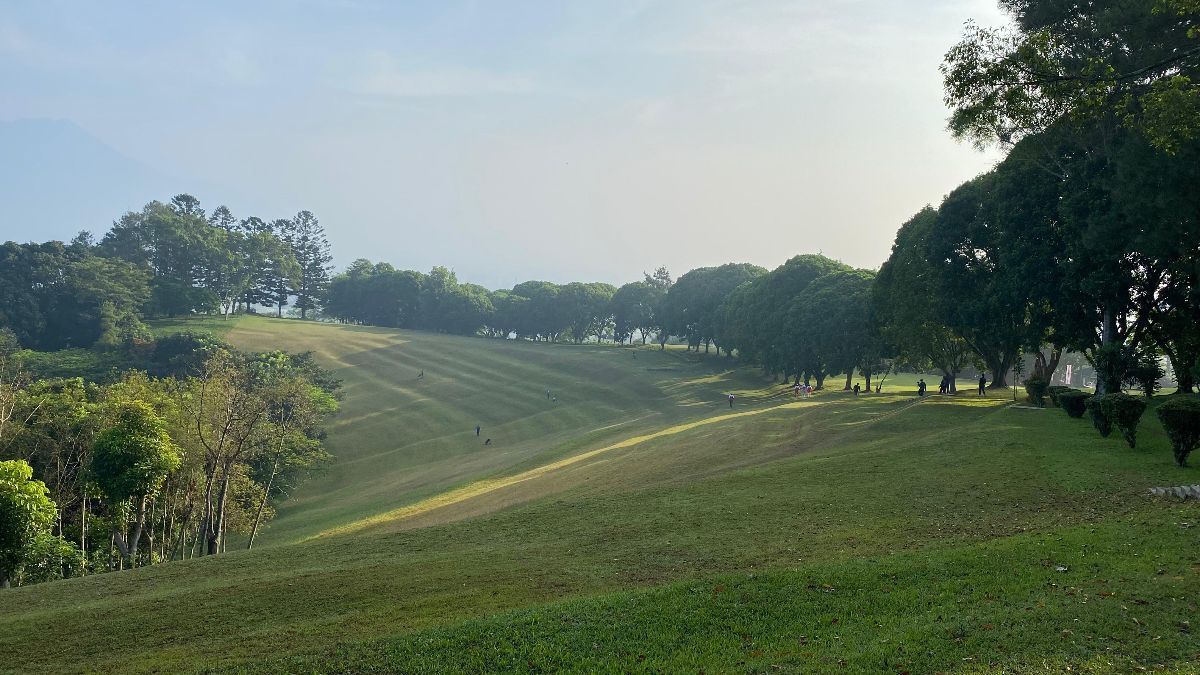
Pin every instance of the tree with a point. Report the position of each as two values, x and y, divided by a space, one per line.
632 308
541 314
661 282
54 296
1108 92
296 408
26 511
907 306
283 269
223 218
694 306
228 413
829 331
1121 65
176 247
586 308
755 317
313 259
129 463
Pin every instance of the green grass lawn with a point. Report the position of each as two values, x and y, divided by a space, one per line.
830 534
214 325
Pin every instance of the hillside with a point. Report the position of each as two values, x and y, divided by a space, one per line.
399 439
639 524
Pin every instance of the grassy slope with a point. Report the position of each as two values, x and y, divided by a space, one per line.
865 533
399 439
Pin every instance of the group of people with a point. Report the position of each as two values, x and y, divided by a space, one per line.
804 389
948 383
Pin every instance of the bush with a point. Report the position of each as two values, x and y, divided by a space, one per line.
1123 412
1074 402
51 558
1035 391
1053 392
1180 416
1099 419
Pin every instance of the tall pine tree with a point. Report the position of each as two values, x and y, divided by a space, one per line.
311 251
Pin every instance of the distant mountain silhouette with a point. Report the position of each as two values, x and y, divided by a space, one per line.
57 179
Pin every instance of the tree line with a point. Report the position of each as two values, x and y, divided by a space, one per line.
1086 237
102 477
165 260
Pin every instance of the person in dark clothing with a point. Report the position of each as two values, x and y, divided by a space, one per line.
731 400
856 388
421 375
476 429
982 382
944 387
921 387
488 442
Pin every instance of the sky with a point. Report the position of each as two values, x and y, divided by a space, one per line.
506 140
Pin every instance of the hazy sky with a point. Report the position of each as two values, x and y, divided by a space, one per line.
517 140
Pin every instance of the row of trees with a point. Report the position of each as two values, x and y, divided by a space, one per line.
811 317
165 260
379 294
151 469
1087 236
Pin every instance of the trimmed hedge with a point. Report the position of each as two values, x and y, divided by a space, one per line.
1054 391
1035 391
1124 412
1099 419
1074 402
1180 416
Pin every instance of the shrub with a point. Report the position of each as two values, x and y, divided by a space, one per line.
1180 417
1099 419
1123 412
1035 391
1053 392
1074 402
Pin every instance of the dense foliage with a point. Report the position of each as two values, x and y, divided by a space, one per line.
1123 412
1074 402
146 469
1180 417
1087 235
165 260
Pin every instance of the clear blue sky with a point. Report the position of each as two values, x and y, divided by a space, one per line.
517 140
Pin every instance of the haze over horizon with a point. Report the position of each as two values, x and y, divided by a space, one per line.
587 142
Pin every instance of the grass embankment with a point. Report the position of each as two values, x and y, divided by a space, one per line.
400 439
838 533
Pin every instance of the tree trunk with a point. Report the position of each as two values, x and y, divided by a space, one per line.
150 533
216 537
867 376
849 380
207 522
1108 336
1000 372
953 389
83 530
1044 368
136 539
820 375
262 505
4 578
